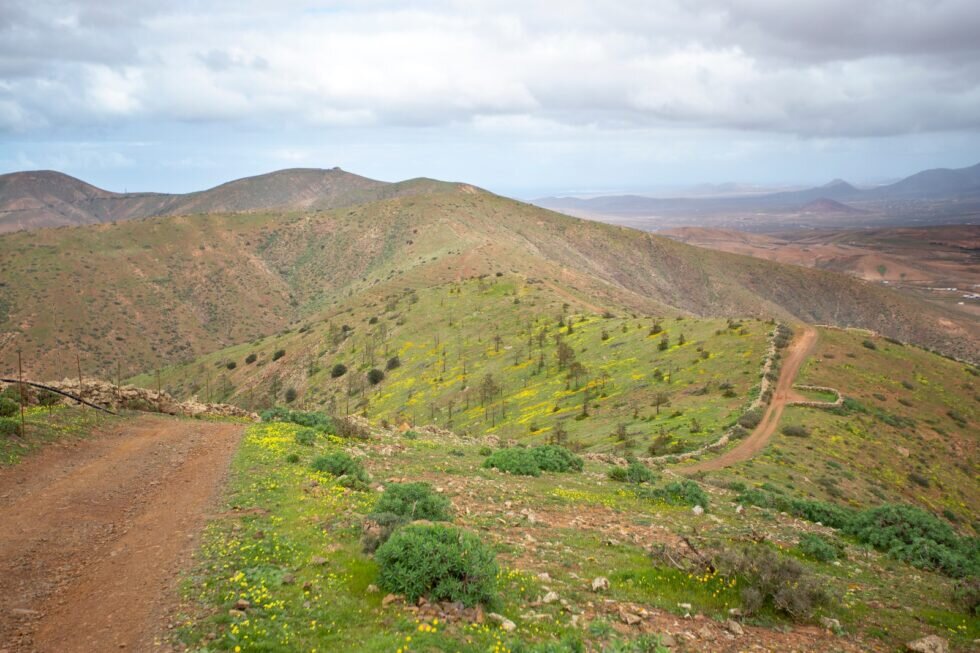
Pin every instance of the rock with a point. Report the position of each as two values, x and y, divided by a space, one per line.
929 644
389 599
739 509
318 560
372 589
697 510
550 597
706 634
544 577
236 614
242 604
600 584
668 640
830 624
288 579
629 618
734 627
735 613
502 621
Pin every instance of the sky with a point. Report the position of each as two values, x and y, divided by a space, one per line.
525 98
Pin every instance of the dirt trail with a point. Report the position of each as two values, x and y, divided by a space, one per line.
95 533
783 393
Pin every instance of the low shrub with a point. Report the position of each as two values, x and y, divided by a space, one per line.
338 370
819 548
750 419
517 461
869 344
345 427
531 462
341 465
292 458
414 501
313 420
678 493
796 431
291 395
634 472
439 562
410 435
278 354
485 451
966 594
231 365
251 358
8 407
771 579
306 437
9 426
375 376
393 363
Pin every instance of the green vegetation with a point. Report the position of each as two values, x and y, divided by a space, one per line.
819 548
634 472
414 501
441 563
774 580
677 493
347 469
8 407
531 462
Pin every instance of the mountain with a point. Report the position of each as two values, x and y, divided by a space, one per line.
927 185
140 294
824 205
37 199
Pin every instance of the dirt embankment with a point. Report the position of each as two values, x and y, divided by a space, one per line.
95 533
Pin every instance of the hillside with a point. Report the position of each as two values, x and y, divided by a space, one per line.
152 293
33 200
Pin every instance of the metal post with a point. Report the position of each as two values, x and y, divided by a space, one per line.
159 398
20 376
78 363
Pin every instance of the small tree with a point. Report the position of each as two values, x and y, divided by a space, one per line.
660 399
375 376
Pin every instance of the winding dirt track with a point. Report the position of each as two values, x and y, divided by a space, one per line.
783 393
94 533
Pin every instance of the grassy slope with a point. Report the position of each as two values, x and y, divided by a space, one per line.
152 292
437 332
881 448
584 526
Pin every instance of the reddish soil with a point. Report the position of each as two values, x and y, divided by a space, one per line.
96 532
783 393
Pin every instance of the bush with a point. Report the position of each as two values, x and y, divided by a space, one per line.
439 562
311 419
520 462
869 344
485 451
8 407
679 493
410 435
341 465
231 365
634 472
796 431
292 458
917 537
966 594
345 427
338 370
251 358
750 419
9 426
773 579
291 395
554 458
818 548
279 354
306 437
378 527
414 501
531 462
393 363
375 376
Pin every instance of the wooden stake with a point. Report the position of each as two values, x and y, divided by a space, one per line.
78 363
20 376
159 398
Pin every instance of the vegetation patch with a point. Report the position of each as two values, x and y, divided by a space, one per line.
531 462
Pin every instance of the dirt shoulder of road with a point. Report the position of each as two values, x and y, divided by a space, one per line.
95 535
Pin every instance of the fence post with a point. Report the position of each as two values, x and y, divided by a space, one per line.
20 376
159 398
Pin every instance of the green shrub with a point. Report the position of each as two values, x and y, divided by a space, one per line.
231 365
818 548
634 472
485 451
554 458
869 344
410 435
393 363
439 562
338 370
750 419
514 460
9 426
678 493
378 527
313 420
8 407
251 358
306 437
375 376
796 431
341 465
771 579
414 501
279 354
291 395
292 458
966 594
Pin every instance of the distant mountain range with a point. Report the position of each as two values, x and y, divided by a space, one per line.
940 183
45 198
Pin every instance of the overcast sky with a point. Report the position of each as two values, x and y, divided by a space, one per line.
522 97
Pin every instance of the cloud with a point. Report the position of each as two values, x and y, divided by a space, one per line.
807 68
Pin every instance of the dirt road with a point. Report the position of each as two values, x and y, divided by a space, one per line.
783 393
94 533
